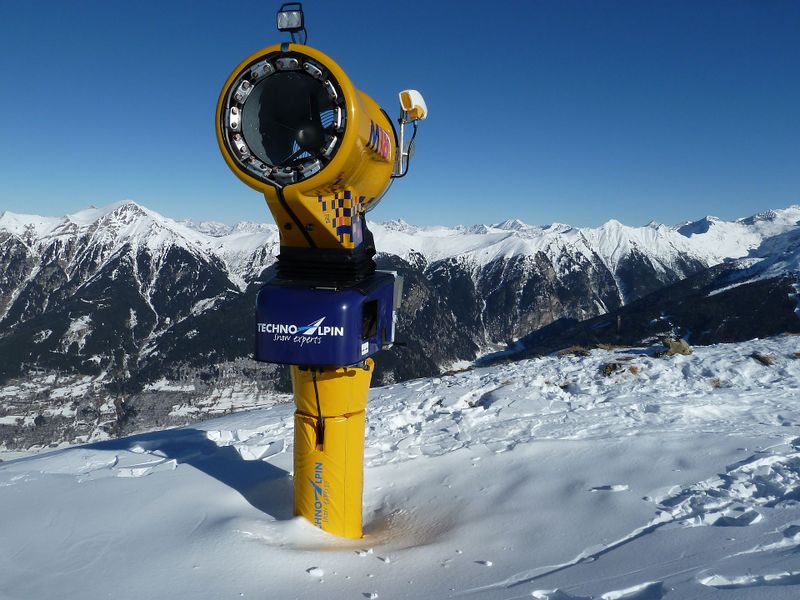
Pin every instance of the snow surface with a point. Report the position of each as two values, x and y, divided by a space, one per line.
674 477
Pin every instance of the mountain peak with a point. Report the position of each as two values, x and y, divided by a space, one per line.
211 228
612 224
91 214
477 229
399 225
128 209
558 227
512 225
253 227
698 227
765 216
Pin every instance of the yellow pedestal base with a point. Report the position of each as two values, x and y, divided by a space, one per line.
329 446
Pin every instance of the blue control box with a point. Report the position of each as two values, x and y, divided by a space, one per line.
326 326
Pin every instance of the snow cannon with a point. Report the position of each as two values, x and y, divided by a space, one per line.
291 125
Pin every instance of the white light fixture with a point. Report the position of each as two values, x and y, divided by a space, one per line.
290 17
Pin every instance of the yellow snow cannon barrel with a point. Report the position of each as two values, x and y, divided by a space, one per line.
291 125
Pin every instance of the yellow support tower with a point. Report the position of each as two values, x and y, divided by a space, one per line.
329 446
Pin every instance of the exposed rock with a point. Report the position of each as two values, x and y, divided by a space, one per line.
610 368
764 359
574 351
675 347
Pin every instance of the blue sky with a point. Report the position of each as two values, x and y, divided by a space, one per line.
575 111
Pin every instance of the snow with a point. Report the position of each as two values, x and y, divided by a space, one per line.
709 241
164 385
25 226
41 336
128 224
734 239
778 254
543 478
77 332
247 247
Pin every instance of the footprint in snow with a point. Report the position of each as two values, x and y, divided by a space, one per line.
315 572
651 590
722 582
792 532
617 487
370 595
556 595
735 517
485 563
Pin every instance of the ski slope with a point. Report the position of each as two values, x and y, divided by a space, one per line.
671 477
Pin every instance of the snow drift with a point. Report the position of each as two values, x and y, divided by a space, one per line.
673 477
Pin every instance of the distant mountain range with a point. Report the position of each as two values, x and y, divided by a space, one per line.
126 299
736 300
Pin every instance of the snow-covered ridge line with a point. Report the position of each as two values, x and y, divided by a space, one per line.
708 240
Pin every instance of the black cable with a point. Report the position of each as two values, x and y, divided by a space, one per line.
305 37
320 419
408 160
294 217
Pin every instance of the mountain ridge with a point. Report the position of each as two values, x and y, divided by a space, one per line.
613 230
131 303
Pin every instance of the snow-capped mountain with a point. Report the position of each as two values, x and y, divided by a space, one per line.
737 300
122 298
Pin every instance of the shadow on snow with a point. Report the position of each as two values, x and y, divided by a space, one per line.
265 486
